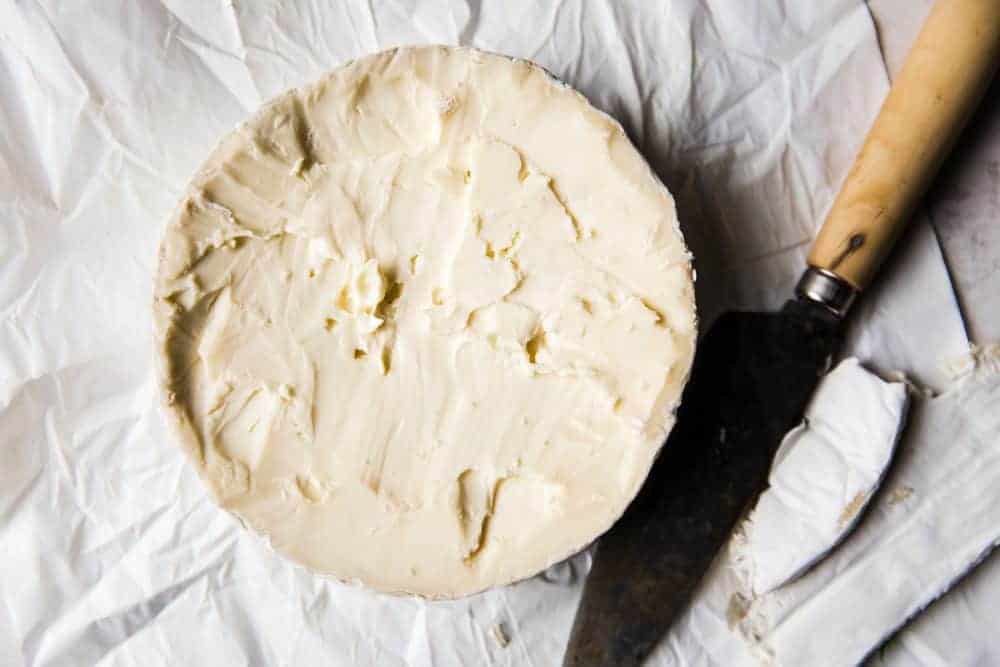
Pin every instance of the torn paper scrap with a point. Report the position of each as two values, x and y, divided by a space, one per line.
823 476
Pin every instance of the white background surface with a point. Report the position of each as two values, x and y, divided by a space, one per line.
112 553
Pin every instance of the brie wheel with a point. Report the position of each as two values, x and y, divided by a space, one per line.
424 324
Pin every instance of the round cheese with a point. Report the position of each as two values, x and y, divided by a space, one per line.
424 323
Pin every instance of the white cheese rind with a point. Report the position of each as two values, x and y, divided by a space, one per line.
424 324
826 471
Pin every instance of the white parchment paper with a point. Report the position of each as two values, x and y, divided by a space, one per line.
111 551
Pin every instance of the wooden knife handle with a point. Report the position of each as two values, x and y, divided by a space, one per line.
942 80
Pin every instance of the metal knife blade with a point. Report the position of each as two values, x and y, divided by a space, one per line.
751 380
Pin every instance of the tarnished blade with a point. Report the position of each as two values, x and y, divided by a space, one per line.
752 377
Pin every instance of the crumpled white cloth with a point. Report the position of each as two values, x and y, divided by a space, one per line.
112 552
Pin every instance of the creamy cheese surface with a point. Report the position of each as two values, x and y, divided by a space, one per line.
424 323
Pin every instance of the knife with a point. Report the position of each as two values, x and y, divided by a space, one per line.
754 372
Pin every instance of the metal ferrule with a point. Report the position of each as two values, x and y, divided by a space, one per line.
827 289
